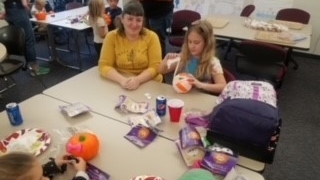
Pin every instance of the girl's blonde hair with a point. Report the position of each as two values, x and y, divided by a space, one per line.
205 30
95 9
16 166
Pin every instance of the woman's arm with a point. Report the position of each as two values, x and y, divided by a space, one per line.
108 58
154 57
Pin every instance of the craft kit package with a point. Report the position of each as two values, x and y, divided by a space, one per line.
247 119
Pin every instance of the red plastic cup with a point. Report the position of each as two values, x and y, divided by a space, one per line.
175 107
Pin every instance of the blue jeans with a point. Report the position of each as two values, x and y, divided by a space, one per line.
160 26
19 17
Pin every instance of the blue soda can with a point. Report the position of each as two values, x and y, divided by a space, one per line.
14 114
161 103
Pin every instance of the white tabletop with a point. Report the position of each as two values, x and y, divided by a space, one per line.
235 29
63 15
118 157
101 96
3 52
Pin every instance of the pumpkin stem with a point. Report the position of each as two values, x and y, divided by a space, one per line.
82 138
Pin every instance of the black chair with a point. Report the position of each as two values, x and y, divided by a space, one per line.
13 39
294 15
246 12
181 19
263 61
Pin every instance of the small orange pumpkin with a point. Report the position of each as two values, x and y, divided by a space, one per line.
85 145
41 16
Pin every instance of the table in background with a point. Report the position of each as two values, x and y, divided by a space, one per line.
235 29
62 19
101 95
117 156
3 52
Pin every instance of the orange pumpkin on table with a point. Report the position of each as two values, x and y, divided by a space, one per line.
85 145
107 18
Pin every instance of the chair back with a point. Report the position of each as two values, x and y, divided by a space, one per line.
262 53
293 14
13 38
183 18
247 10
228 76
73 5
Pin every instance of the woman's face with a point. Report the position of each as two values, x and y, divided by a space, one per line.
132 24
195 44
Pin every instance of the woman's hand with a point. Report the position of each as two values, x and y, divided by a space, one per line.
132 83
79 166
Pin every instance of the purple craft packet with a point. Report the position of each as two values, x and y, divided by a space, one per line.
141 135
189 137
95 173
219 160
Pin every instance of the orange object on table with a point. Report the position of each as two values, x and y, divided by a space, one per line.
41 16
107 18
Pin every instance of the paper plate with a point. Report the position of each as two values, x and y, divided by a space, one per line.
34 141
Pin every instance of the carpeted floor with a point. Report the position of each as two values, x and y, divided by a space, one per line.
296 155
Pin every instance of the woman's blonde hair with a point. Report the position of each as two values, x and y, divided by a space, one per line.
16 165
95 8
133 8
205 30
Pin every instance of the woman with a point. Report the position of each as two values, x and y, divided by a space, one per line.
131 54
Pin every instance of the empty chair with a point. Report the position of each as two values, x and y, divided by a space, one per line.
73 5
181 19
246 12
294 15
13 39
228 76
263 61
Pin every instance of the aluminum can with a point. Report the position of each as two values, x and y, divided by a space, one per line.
161 103
14 114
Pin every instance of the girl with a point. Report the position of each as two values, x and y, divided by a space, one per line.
97 22
21 166
198 59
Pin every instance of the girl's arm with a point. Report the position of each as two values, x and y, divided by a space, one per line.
102 27
163 68
217 77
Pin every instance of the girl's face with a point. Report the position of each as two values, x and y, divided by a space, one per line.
36 172
113 3
195 44
132 24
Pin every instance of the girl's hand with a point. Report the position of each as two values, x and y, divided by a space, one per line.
62 160
195 82
79 166
171 56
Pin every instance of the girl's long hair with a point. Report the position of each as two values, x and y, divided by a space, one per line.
95 10
205 30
